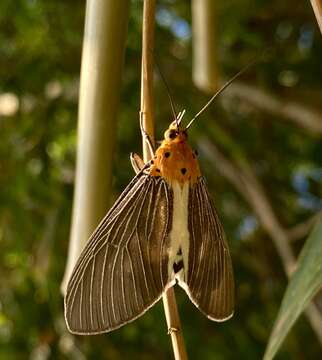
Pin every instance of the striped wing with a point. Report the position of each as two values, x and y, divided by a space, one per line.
123 269
210 282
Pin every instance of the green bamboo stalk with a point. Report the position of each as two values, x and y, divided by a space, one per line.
205 65
102 62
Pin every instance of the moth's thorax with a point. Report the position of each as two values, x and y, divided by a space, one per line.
174 160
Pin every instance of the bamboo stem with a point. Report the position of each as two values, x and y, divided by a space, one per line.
169 301
100 82
147 102
205 71
317 8
174 325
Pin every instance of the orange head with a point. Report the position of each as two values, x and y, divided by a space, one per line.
175 134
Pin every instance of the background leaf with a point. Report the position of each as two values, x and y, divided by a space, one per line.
304 284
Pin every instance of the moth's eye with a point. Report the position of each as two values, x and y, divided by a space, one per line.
172 134
184 132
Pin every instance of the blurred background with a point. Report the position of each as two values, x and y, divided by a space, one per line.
259 147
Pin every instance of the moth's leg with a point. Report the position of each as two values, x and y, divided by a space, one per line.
146 136
137 162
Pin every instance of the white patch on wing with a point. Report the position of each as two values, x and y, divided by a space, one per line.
179 235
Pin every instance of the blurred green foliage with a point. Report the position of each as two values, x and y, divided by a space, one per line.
40 54
305 282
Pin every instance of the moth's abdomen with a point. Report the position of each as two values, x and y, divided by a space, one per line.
179 235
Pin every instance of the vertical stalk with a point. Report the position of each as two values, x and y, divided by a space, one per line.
317 8
147 98
205 65
102 62
169 301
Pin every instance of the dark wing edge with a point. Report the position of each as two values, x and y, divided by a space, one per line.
123 269
210 280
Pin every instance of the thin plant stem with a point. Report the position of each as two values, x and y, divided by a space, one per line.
146 112
317 8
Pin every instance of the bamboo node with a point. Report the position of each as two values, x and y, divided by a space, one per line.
172 330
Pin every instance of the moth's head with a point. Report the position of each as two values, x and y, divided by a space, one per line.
175 133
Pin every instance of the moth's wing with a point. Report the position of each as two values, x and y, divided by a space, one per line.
123 269
209 278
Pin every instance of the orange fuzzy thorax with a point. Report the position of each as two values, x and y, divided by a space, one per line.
174 160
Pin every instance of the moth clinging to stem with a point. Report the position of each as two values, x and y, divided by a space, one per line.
162 229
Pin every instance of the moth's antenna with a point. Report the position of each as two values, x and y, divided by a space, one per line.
244 69
173 108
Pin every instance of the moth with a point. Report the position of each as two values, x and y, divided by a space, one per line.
162 230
